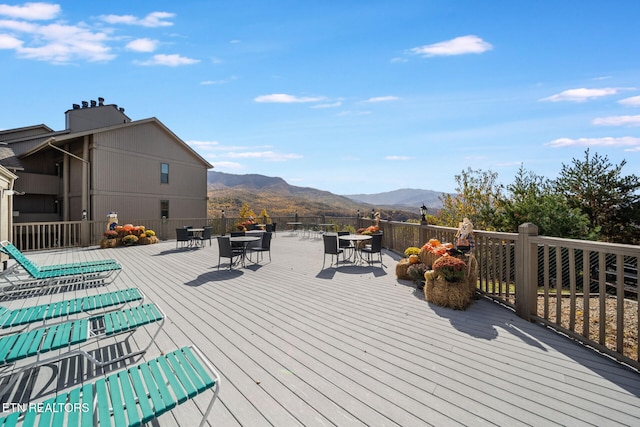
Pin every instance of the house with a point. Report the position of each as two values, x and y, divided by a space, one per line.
102 162
7 179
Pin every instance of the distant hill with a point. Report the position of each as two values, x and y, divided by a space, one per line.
230 192
409 197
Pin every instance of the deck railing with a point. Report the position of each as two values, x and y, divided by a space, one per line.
586 290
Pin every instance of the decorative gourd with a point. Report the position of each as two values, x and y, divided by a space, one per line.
414 259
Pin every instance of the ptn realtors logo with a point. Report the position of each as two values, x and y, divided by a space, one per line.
45 407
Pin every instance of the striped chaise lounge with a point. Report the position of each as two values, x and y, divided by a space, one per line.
25 317
131 397
70 336
25 274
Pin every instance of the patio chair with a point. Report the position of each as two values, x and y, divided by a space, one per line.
206 235
265 246
25 274
71 335
201 238
26 316
331 248
15 253
374 248
237 245
182 237
225 250
270 228
345 245
133 396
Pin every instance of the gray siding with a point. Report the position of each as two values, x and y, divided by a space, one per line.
126 174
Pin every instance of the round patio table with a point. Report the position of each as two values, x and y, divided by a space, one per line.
355 238
245 240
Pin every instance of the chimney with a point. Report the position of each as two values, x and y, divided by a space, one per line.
85 104
100 101
93 103
76 106
121 110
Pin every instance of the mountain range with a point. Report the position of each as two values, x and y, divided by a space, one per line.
278 198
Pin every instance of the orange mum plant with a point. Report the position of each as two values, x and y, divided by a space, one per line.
451 268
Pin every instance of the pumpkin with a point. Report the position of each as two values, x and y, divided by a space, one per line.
434 242
414 259
430 275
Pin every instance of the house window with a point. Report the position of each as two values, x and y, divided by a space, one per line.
164 173
164 209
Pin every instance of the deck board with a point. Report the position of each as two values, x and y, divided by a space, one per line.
299 345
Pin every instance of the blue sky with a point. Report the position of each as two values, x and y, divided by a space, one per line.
344 96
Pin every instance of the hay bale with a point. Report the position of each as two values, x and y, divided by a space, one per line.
401 269
456 295
427 257
472 275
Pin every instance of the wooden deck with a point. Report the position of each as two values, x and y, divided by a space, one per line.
299 345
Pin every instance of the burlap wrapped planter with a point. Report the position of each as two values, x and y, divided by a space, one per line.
455 295
401 269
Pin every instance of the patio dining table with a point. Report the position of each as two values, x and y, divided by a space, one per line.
245 241
355 238
195 235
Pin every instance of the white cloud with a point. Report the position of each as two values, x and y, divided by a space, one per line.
57 43
173 60
353 113
457 46
331 105
398 59
264 155
617 121
31 11
218 82
154 19
625 141
398 158
283 98
203 144
9 42
227 165
142 45
581 94
634 101
382 99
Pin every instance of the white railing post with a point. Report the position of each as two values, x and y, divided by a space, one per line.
526 272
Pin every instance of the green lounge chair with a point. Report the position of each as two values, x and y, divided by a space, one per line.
16 254
25 316
31 275
72 334
131 397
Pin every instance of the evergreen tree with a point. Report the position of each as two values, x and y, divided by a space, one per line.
532 200
609 199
